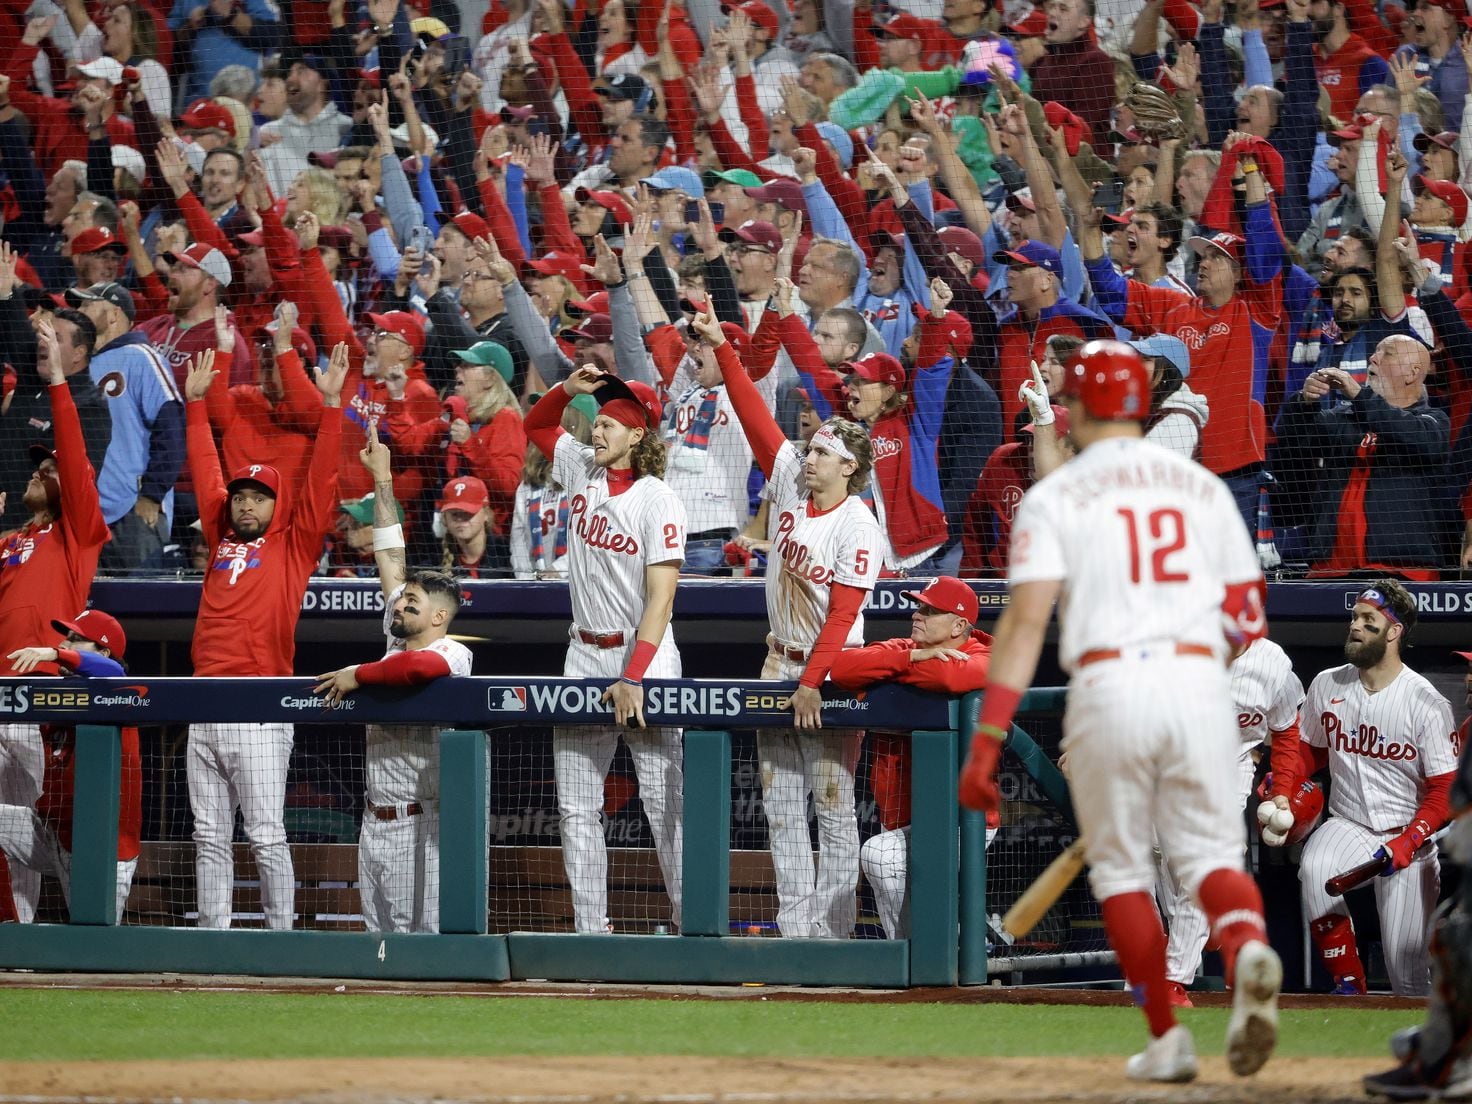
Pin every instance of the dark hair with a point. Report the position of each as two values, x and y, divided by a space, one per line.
1168 224
1401 601
86 336
1366 277
227 151
1170 382
652 131
436 584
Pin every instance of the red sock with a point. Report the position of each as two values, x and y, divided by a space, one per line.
1233 907
1338 953
8 915
1134 931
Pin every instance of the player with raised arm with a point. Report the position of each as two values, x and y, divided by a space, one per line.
399 846
264 547
625 544
826 553
1149 562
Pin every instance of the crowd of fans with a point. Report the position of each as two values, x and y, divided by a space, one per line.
906 214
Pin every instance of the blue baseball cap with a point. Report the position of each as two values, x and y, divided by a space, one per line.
839 138
1031 254
1165 347
674 178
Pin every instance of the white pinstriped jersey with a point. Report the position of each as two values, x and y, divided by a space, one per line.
710 481
1144 541
812 551
611 539
401 762
1382 746
1265 691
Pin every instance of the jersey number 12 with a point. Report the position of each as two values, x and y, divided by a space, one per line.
1167 536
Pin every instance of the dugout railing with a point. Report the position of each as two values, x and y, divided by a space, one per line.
951 932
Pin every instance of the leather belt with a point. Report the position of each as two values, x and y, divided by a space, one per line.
391 812
796 655
601 640
1100 655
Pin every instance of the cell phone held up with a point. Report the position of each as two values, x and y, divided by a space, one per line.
717 212
1109 196
420 239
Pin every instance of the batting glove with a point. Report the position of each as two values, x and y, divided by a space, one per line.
1034 392
1399 852
978 789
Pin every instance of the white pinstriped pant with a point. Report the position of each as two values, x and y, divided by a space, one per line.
22 772
1405 900
31 843
885 861
1183 916
399 871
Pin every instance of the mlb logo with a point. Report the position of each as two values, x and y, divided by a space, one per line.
506 699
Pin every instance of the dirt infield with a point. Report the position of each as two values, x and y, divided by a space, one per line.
667 1081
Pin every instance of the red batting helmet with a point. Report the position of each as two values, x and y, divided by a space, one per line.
1110 380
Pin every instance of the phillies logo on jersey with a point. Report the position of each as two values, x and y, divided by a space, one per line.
685 418
1196 339
798 558
1331 78
598 531
237 557
1367 742
1011 499
885 447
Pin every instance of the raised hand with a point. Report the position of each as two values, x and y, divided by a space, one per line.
704 232
708 327
330 382
1396 167
940 297
467 89
805 164
584 381
639 238
91 100
738 34
605 267
541 164
25 660
1187 69
400 86
7 269
1407 80
1034 392
285 322
258 182
307 230
128 219
201 375
48 352
1247 15
38 29
172 167
224 329
1008 90
788 252
429 275
378 119
795 101
784 296
705 85
922 114
375 456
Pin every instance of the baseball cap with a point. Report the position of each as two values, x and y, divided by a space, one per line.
1448 192
110 292
757 232
597 303
736 337
1075 130
262 475
619 398
595 327
958 239
1165 347
1034 25
1344 134
1031 254
39 452
1465 655
361 510
100 628
466 493
1223 242
400 134
488 354
106 68
401 324
744 177
253 239
559 263
947 593
520 113
841 140
95 239
623 86
301 341
1021 200
759 14
1060 421
674 178
611 202
208 115
471 225
782 191
206 258
906 25
429 28
881 239
130 161
878 368
312 61
1447 139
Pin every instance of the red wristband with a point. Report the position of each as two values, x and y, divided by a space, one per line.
641 659
999 706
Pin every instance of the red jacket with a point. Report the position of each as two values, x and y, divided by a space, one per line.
988 531
248 426
46 572
58 130
58 789
495 453
253 590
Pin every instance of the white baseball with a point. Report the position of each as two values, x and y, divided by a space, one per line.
1273 838
1281 820
1265 812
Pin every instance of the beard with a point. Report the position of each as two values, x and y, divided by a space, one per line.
397 628
248 530
1365 654
1323 28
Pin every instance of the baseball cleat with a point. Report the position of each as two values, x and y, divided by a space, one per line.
1253 1030
1348 987
1178 996
1401 1083
1171 1057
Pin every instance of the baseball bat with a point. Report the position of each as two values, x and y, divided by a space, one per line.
1367 871
1039 897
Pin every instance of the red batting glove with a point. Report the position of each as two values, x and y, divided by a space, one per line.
978 789
1400 851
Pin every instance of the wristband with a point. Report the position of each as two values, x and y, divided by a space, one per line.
639 661
388 538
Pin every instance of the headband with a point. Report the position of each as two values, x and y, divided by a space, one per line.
1376 598
626 412
826 439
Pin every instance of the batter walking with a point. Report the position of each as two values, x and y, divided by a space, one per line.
1147 557
625 544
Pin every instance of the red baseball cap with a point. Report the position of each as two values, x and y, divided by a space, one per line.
611 202
759 14
301 341
263 475
958 239
466 493
757 232
595 327
1447 139
1060 420
1229 244
255 239
907 25
1465 655
95 239
782 191
738 338
207 259
627 400
947 593
401 324
1075 130
559 263
100 628
1448 192
471 225
597 303
1035 25
878 368
208 115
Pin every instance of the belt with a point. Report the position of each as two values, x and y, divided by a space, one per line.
1100 655
391 812
600 640
711 535
796 655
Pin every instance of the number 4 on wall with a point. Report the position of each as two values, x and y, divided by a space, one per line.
1167 536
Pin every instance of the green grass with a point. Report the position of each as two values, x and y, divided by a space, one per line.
66 1025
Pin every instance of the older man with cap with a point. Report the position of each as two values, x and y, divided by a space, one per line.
46 569
146 452
39 838
208 124
945 653
97 255
264 548
198 278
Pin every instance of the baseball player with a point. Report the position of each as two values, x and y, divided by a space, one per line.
826 552
46 569
40 838
1387 738
943 653
265 547
1266 695
1148 560
626 541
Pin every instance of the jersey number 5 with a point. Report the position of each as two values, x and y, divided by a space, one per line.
1167 537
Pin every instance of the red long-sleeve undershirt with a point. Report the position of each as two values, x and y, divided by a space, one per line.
757 136
762 431
543 422
407 668
1435 807
844 603
503 226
